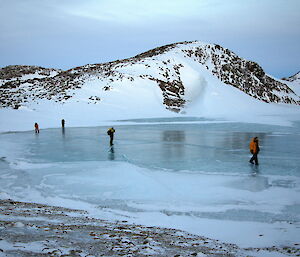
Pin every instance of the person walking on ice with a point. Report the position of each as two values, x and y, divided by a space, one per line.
111 132
254 149
36 128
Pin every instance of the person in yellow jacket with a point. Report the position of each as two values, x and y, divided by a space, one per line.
111 132
254 149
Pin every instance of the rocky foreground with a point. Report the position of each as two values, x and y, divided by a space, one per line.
30 229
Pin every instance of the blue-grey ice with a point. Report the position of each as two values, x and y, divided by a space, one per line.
188 174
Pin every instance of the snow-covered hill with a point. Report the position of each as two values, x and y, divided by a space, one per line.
188 77
293 82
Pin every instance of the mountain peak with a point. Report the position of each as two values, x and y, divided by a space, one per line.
293 78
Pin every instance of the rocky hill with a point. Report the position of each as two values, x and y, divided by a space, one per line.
294 78
167 67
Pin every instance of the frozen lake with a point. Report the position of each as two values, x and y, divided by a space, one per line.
190 174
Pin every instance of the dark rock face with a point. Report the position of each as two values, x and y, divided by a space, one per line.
172 94
22 84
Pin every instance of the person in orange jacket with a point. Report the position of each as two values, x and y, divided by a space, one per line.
36 128
254 149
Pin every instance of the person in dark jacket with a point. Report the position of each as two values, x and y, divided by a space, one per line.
111 132
36 128
63 123
254 149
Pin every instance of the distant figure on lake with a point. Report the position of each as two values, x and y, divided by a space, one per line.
36 128
254 149
63 126
111 132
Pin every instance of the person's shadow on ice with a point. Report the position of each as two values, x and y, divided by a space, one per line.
111 155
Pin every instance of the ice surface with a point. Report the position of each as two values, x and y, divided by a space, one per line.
192 176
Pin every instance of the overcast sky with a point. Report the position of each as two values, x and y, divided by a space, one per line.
69 33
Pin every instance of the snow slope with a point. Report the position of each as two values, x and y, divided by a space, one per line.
293 82
189 78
